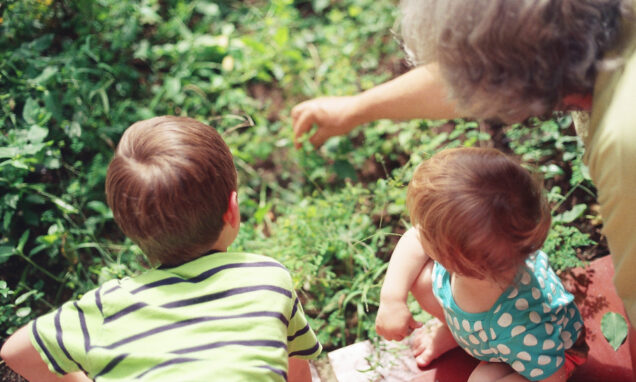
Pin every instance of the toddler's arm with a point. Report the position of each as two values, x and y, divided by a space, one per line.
394 320
21 356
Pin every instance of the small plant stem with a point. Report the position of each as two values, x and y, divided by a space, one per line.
28 260
566 196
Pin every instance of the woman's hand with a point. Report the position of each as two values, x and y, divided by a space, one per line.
332 115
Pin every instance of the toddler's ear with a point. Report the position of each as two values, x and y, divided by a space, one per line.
232 216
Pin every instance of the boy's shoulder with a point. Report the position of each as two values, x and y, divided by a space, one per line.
248 256
235 258
215 263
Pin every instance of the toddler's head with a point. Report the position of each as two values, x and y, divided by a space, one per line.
478 212
168 185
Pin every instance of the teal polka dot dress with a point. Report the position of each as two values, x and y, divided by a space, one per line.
529 327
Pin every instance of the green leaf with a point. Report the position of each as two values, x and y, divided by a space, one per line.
99 207
281 36
36 134
6 252
46 75
31 111
614 328
344 169
22 298
571 215
23 312
259 215
64 206
8 152
23 240
208 9
319 5
172 86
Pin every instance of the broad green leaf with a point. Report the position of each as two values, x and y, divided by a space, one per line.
344 169
98 206
36 134
23 240
23 312
148 15
41 43
614 328
319 5
18 164
259 215
206 8
46 75
64 206
22 298
5 252
11 200
571 215
172 86
8 152
281 36
32 149
31 111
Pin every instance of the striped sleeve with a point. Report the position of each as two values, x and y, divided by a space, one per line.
301 339
62 337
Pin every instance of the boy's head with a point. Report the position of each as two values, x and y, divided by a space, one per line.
169 185
478 212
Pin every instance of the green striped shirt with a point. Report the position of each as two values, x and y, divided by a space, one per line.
224 316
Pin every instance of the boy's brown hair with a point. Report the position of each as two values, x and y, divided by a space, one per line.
168 185
478 212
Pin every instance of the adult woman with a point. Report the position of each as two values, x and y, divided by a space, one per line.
509 60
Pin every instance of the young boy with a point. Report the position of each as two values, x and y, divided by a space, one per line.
204 314
472 260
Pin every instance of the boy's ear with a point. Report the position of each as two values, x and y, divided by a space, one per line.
232 216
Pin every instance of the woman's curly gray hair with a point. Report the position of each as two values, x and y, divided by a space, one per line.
512 59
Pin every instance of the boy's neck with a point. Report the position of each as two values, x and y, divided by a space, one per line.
226 238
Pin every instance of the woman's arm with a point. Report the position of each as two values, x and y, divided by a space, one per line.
419 93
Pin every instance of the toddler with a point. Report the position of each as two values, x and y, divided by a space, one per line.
472 260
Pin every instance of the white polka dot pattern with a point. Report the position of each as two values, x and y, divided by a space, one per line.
536 372
534 317
505 320
521 304
536 294
518 366
548 344
529 327
517 330
529 340
503 349
524 356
